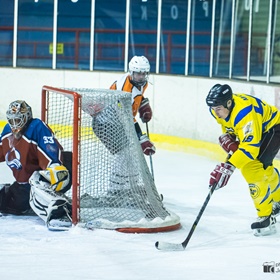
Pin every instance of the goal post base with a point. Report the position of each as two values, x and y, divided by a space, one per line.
149 230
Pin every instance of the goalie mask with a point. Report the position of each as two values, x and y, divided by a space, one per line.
18 114
139 70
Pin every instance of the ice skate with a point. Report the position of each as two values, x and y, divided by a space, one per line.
276 209
60 224
264 226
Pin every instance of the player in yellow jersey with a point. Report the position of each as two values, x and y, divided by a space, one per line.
251 137
136 82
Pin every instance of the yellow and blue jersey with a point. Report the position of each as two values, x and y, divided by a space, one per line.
249 119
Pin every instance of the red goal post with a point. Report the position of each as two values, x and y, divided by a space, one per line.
76 138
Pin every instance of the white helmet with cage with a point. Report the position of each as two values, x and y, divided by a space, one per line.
139 70
18 114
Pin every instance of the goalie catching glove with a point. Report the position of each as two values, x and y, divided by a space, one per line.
147 146
145 111
57 175
228 143
221 174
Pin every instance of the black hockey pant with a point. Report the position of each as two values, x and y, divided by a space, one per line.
14 199
270 146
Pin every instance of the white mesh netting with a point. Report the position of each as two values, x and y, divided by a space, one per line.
116 189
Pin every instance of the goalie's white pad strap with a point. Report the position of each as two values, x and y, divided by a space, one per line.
42 199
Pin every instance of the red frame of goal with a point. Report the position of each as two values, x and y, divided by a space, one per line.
76 139
77 99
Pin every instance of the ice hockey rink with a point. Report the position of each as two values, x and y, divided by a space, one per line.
222 246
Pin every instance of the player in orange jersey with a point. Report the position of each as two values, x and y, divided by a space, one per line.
136 82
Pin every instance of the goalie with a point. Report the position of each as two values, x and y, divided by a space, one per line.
35 157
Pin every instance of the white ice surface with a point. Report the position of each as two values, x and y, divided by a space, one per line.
222 246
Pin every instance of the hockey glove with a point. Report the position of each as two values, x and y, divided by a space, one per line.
145 111
228 143
92 109
147 146
221 174
57 175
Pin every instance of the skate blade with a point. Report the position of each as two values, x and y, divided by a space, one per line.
55 228
265 231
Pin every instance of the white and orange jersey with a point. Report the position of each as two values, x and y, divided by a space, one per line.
124 83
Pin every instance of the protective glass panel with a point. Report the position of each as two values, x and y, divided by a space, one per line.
259 47
200 38
143 30
173 36
241 39
6 32
73 34
275 57
222 38
109 35
35 33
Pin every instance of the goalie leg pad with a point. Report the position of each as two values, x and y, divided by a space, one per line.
48 205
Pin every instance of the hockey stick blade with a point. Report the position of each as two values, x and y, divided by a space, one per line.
166 246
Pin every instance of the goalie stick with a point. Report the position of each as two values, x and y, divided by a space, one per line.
151 161
166 246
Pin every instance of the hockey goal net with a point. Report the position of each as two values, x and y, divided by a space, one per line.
112 187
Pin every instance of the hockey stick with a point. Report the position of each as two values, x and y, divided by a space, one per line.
166 246
151 161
